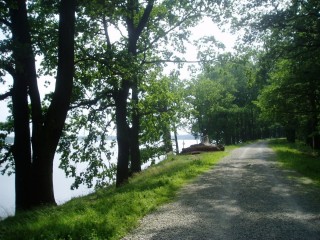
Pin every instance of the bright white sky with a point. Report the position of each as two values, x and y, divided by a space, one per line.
205 28
209 28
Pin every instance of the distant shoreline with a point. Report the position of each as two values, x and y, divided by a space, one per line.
113 138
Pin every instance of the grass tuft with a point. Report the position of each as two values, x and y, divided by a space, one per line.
112 212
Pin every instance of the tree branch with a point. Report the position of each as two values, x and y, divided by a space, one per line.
5 95
5 22
176 61
88 103
6 156
145 17
106 33
7 67
178 24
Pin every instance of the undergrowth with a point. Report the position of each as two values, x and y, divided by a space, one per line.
298 157
112 212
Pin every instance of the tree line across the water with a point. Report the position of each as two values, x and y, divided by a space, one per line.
107 59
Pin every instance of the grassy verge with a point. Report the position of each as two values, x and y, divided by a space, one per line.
298 157
111 213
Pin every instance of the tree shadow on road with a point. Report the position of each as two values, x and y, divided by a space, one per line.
246 197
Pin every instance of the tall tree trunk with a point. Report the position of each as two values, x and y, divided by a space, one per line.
25 73
135 129
128 142
34 184
167 138
58 109
22 147
313 137
176 139
290 133
124 133
122 136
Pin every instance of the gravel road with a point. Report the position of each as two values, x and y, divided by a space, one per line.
245 196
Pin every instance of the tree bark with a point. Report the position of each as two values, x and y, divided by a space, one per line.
290 133
58 109
22 146
122 136
313 137
33 169
167 138
135 129
24 73
176 139
134 34
128 139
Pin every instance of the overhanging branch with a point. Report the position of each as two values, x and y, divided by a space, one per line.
91 102
177 61
175 26
7 66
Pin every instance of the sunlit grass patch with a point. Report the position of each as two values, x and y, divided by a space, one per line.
111 213
298 157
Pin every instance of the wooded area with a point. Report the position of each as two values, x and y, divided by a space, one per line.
108 60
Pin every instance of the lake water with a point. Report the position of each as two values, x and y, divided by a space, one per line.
61 183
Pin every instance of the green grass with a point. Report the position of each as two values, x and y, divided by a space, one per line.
112 212
298 157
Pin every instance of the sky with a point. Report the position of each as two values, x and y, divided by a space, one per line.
204 28
208 28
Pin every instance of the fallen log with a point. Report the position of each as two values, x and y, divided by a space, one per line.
201 147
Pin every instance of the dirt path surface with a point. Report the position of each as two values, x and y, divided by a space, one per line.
244 197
